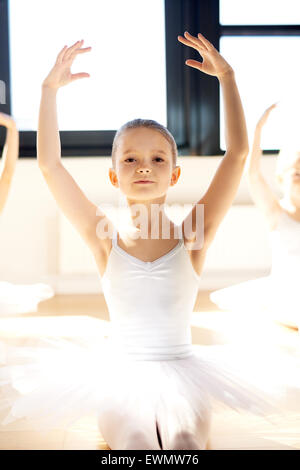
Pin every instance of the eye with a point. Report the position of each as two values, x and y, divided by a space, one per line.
156 158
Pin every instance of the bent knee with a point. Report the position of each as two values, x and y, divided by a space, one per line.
185 441
138 440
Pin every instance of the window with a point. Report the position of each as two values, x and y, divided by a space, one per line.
127 66
137 68
261 40
259 12
126 63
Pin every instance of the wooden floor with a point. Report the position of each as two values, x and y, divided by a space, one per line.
71 315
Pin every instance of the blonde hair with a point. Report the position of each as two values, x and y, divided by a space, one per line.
144 123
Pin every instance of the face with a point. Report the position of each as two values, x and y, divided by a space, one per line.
144 154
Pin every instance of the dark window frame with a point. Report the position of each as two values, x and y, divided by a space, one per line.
193 107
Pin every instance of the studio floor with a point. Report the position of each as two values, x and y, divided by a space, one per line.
72 315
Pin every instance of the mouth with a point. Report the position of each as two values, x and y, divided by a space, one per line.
144 182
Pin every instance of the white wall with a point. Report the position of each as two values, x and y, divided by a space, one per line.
38 244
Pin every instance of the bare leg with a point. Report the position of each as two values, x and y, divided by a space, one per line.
124 430
182 429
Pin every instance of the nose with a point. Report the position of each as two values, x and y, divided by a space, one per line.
144 170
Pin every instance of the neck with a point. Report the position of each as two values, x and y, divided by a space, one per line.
148 216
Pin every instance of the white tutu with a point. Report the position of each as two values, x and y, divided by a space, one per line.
57 381
267 295
147 365
16 299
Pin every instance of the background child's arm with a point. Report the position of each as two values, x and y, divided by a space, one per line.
259 189
224 185
80 211
9 157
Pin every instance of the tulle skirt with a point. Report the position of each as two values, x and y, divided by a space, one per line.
16 299
55 382
275 298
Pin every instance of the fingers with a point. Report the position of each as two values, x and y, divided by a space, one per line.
67 53
194 40
60 55
194 63
85 49
200 42
76 76
75 49
198 46
206 42
72 49
197 41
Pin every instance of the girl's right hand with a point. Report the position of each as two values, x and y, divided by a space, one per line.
61 75
262 121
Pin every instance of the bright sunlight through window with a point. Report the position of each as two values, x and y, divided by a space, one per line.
259 12
267 70
126 63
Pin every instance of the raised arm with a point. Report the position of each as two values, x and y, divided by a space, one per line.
9 157
222 190
80 211
260 191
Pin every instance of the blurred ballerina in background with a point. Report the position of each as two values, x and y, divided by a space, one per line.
275 295
15 299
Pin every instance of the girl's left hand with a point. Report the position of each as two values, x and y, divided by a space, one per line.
213 63
7 121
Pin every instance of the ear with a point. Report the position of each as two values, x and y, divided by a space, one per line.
113 177
175 174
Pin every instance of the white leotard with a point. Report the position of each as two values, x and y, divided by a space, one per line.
157 323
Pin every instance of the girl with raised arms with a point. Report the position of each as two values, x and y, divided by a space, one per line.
148 385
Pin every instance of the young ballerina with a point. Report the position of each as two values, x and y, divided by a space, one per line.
15 298
275 295
149 387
